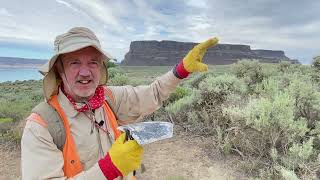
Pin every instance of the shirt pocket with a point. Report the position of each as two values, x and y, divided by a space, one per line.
88 151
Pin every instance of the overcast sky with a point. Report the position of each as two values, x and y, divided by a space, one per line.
28 28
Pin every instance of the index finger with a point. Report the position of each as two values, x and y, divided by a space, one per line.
208 43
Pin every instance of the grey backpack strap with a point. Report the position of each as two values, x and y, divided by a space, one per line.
111 101
111 105
54 123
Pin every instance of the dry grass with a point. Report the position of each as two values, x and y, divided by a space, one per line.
10 161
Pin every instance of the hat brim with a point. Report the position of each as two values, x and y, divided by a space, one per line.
51 82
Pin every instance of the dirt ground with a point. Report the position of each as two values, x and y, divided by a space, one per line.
180 158
183 157
9 162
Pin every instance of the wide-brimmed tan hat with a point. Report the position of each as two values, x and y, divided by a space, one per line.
73 40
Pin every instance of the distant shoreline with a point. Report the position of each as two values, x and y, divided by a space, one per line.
19 73
8 67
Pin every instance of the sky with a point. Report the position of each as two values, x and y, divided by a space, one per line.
28 28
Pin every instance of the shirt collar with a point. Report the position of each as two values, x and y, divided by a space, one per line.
66 105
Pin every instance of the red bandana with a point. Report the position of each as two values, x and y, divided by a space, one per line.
95 102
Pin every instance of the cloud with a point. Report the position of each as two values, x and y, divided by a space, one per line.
197 4
99 10
68 5
263 24
269 24
4 12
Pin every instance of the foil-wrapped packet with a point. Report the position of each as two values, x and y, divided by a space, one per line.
148 132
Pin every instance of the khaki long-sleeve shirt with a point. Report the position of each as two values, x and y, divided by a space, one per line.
40 157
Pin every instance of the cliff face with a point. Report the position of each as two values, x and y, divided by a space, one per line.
166 53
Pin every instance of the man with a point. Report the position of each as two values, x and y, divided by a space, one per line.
72 134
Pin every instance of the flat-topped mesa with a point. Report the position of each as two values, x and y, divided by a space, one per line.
167 53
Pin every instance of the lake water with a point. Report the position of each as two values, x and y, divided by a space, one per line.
19 74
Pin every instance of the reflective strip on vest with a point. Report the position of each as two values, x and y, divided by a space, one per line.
37 118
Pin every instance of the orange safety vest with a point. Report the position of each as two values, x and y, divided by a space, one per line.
72 165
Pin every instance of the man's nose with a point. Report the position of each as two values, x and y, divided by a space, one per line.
84 71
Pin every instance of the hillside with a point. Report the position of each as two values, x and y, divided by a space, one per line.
13 62
165 53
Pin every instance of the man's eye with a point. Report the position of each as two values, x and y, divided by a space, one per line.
94 62
75 62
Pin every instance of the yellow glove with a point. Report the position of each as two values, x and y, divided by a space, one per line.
192 62
126 155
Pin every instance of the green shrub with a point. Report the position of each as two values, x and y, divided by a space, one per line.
111 64
179 93
270 133
288 174
162 113
274 118
222 86
251 71
281 125
284 66
316 69
194 80
298 153
306 97
270 86
118 79
112 72
5 127
5 120
261 129
202 111
268 114
16 110
184 103
316 63
16 101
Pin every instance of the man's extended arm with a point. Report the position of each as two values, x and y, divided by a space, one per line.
132 103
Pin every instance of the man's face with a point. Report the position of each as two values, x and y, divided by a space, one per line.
80 73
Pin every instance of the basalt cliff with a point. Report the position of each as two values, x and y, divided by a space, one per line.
166 53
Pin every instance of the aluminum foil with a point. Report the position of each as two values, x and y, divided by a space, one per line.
148 132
